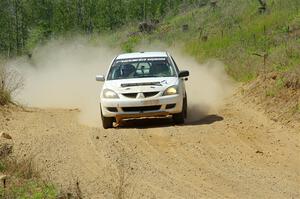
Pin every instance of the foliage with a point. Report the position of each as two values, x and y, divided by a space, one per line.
129 45
26 23
247 40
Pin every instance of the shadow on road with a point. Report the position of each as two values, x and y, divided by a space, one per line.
209 119
147 123
167 122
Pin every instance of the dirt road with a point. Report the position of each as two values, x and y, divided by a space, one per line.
234 153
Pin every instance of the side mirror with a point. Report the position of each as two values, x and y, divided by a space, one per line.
100 78
184 73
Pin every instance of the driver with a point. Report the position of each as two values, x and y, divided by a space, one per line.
128 71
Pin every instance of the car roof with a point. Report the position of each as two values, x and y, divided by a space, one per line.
142 55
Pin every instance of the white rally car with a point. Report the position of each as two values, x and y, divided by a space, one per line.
141 85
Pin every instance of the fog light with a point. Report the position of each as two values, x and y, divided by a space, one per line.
170 106
112 109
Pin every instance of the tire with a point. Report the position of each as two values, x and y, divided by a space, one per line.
107 122
179 117
185 107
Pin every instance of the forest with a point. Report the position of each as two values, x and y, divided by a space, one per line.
24 23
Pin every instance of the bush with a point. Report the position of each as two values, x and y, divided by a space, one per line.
129 45
23 182
10 82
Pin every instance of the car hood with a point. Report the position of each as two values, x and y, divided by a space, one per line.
141 84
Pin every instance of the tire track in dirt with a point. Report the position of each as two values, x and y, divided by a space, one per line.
237 153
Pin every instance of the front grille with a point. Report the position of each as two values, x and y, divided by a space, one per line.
141 108
130 95
150 94
134 95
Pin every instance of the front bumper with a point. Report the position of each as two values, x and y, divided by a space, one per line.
139 108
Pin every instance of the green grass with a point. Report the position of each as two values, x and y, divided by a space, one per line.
234 33
270 92
2 166
256 36
280 82
30 190
23 183
296 108
274 90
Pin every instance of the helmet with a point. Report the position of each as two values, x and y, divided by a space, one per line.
127 69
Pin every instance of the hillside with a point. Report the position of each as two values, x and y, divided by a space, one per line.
260 47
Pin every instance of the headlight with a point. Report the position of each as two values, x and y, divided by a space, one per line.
173 90
107 93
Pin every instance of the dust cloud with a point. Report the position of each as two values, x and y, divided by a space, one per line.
61 74
207 86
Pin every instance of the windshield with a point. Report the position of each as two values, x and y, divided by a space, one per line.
141 68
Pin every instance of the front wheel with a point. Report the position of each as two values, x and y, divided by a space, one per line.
107 122
178 118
